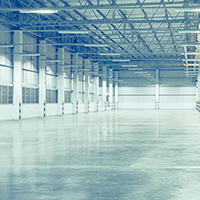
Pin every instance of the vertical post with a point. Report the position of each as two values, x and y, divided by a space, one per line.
197 89
75 84
96 86
44 109
116 90
61 56
42 78
86 101
198 94
157 90
111 88
198 85
17 75
20 109
104 88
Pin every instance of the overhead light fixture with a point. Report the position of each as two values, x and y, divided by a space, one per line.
188 9
30 54
110 54
38 11
73 32
134 69
189 31
129 65
191 64
6 46
96 45
121 60
191 53
52 61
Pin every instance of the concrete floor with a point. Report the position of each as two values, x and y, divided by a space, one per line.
118 155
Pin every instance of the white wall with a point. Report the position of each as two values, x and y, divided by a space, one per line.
52 109
137 97
6 73
31 110
6 112
177 97
176 92
68 108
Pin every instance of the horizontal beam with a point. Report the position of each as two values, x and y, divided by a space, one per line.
146 5
102 30
138 59
190 45
96 21
87 44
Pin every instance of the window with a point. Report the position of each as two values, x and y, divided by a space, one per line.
30 95
51 96
67 96
6 94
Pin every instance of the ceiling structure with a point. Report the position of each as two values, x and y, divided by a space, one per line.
122 34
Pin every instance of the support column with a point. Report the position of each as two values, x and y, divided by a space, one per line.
157 90
17 75
198 94
75 85
86 101
96 86
111 88
116 91
42 78
198 85
197 89
61 56
104 88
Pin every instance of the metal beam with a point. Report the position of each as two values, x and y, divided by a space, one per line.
150 5
94 21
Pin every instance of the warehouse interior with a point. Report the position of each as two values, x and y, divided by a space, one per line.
99 99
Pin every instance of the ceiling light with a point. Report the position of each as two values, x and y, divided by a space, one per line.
110 54
38 11
191 64
134 69
30 54
140 72
6 46
53 61
121 60
188 9
191 53
73 32
129 65
189 31
95 45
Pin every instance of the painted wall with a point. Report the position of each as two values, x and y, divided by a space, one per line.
177 97
31 110
176 92
137 97
6 112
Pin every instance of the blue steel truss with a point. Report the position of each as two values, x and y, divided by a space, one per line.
143 31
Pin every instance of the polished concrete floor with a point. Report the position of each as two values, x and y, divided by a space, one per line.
113 155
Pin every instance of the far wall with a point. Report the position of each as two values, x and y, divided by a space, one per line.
176 92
